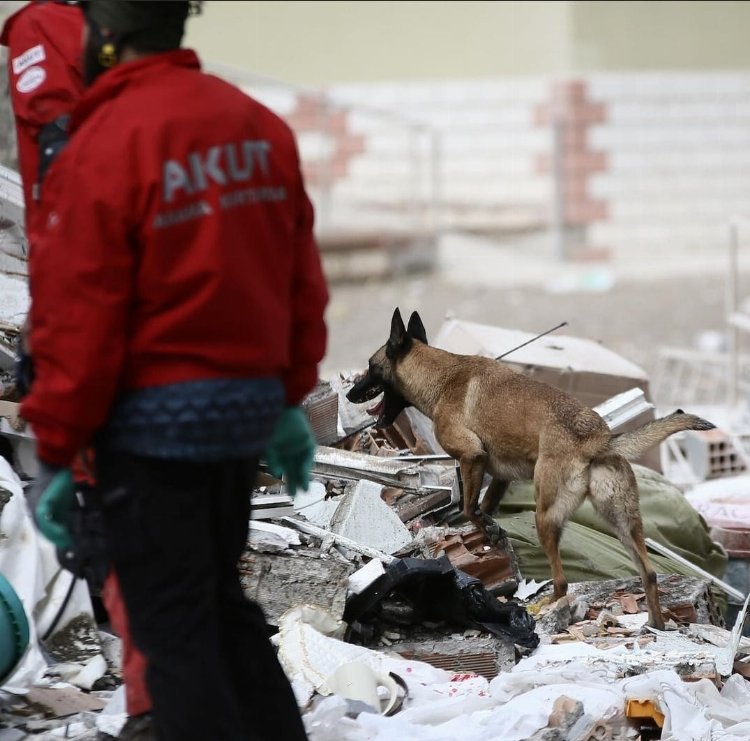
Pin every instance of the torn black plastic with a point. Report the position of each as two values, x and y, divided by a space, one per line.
436 590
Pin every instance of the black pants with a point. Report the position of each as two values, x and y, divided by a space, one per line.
175 532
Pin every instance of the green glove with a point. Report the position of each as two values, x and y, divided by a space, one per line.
53 509
292 449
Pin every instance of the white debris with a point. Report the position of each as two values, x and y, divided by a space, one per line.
528 589
314 506
265 536
365 518
362 578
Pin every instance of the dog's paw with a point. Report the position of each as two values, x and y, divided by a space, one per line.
493 531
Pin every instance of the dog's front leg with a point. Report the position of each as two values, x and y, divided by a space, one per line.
472 473
467 449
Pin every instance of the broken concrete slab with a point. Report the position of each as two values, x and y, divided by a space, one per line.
579 366
339 540
281 581
684 599
404 474
365 518
271 538
362 578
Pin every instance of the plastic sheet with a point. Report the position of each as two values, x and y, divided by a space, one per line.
29 563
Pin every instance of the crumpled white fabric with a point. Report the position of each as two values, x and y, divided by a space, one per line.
511 721
310 651
694 711
517 704
28 561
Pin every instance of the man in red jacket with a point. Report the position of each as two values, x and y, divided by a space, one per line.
44 49
178 321
45 81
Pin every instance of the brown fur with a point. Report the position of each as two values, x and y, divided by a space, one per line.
493 419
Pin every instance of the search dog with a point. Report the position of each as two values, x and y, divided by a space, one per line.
494 419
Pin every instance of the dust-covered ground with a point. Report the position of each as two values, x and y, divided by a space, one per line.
633 319
635 313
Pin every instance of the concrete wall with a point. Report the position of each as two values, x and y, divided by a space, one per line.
317 42
327 41
627 163
636 160
624 35
677 152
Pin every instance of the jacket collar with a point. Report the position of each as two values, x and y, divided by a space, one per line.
112 82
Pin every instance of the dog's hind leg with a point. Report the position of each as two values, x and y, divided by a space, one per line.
467 449
614 494
559 488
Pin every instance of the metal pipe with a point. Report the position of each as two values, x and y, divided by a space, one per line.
352 545
533 339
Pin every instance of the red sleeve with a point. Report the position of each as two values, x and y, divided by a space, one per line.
81 274
43 49
309 299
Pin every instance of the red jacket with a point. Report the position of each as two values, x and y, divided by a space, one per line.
44 53
178 246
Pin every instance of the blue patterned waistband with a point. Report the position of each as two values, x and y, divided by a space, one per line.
206 420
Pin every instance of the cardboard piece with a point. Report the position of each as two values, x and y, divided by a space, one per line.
63 702
322 409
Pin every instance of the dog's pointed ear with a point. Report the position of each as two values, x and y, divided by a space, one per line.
398 335
398 330
416 328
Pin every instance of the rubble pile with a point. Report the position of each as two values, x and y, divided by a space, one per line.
395 618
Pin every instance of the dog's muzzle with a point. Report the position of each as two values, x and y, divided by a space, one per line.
365 389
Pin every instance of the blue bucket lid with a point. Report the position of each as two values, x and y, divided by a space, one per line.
14 629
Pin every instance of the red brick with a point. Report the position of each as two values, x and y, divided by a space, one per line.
580 212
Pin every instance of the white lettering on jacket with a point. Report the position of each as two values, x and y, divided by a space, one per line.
28 59
225 163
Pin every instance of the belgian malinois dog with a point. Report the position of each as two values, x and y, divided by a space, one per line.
494 419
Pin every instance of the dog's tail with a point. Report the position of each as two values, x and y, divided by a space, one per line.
633 444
